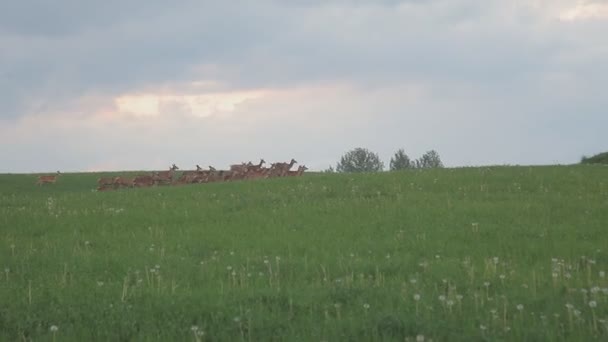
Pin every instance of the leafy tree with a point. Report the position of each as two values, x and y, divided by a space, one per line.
429 160
400 161
360 160
329 170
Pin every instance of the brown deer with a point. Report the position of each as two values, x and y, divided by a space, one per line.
48 179
105 182
281 169
299 172
254 168
143 180
123 182
165 177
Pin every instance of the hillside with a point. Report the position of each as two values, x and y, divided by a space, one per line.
502 253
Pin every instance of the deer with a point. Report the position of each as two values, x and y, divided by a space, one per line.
165 176
143 180
48 179
105 181
251 167
123 182
299 172
281 169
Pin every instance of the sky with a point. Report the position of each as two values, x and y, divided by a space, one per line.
140 85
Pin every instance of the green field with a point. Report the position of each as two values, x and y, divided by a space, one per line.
493 253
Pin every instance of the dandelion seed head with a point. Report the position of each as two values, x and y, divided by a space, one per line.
237 319
416 297
459 297
483 327
419 338
486 284
194 328
592 304
366 306
502 277
520 307
53 328
569 306
577 313
442 298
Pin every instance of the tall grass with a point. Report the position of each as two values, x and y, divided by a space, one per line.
497 253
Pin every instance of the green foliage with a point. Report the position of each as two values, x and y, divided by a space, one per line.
360 160
319 257
601 158
400 161
429 160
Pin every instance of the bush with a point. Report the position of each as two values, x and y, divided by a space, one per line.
601 158
360 160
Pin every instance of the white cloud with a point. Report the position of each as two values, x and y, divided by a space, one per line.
585 10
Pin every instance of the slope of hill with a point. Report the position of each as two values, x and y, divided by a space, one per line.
499 253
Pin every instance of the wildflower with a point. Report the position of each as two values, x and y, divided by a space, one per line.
337 305
100 283
442 298
450 302
568 275
266 261
419 338
157 267
602 274
520 307
495 259
194 328
416 297
569 306
229 268
595 289
413 281
605 291
54 328
577 313
237 319
482 327
554 274
366 306
459 297
592 304
486 284
502 277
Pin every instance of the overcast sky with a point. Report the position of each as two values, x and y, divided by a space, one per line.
134 85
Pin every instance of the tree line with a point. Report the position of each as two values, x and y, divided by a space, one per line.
363 160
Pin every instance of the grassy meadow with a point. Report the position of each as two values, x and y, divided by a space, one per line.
471 254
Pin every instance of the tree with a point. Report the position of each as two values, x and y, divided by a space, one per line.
429 160
360 160
400 161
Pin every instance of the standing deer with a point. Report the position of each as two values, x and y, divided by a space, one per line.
48 179
299 172
281 169
165 176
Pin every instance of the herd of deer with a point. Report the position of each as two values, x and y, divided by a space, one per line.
236 172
